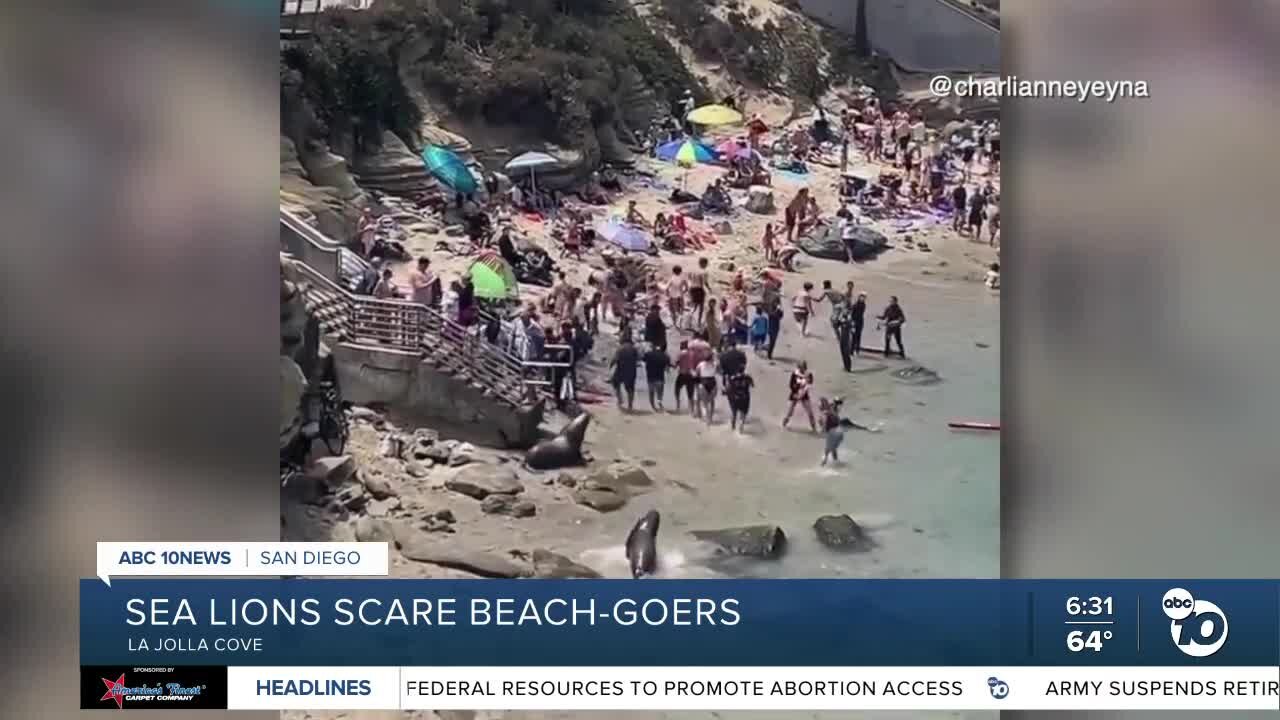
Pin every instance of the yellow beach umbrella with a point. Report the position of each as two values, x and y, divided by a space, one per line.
715 115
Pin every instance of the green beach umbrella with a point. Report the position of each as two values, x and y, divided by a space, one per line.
493 278
445 166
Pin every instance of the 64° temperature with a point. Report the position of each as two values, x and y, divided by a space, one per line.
1078 640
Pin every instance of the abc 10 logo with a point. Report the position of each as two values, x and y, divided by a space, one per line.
1199 627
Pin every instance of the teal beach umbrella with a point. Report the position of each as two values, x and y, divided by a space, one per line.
449 169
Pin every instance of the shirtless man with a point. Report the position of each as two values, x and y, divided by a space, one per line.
795 212
677 286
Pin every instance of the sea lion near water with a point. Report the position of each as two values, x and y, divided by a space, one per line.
563 450
642 549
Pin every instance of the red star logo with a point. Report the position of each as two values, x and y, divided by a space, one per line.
115 691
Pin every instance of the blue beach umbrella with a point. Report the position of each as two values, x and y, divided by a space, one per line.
449 169
686 152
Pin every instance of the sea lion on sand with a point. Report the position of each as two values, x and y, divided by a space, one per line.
642 548
563 450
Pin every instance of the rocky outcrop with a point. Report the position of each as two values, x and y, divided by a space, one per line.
481 481
840 532
422 547
299 351
394 169
760 200
825 243
547 564
756 541
599 497
331 210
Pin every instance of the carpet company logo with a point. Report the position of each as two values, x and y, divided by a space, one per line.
999 688
1198 627
115 691
118 692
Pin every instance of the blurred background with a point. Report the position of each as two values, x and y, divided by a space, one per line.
139 358
139 290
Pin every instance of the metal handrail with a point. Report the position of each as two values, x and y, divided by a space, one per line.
408 326
403 324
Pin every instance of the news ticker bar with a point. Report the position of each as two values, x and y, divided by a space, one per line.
682 688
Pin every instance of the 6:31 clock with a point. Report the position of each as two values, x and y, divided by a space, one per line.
1089 606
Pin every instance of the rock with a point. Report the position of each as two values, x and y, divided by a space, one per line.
416 469
436 454
547 564
757 541
508 505
481 481
916 375
923 246
382 508
601 499
566 480
760 200
333 471
826 243
840 532
374 530
293 384
426 437
364 414
722 228
461 455
378 485
445 516
391 446
455 231
421 547
621 476
351 497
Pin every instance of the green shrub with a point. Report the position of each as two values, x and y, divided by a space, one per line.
554 66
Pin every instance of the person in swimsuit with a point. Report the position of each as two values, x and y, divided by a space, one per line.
698 290
833 429
707 391
677 286
802 308
685 380
800 385
738 391
795 210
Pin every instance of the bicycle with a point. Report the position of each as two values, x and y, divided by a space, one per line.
329 418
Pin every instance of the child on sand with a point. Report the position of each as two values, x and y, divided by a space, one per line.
759 330
833 428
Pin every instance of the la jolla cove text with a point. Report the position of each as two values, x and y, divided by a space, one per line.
428 612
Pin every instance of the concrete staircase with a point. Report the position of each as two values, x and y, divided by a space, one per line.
411 357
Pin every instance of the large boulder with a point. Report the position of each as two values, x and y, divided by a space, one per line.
760 200
509 505
825 243
599 498
292 385
393 168
840 532
480 481
425 548
757 541
621 477
547 564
